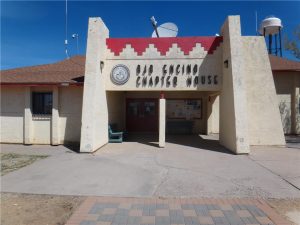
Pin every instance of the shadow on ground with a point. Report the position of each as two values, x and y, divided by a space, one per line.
194 141
74 147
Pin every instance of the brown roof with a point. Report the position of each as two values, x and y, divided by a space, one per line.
72 71
66 71
278 63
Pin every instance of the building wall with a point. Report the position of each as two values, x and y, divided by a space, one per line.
287 88
11 113
207 65
70 107
41 132
116 108
286 83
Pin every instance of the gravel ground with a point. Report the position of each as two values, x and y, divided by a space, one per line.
12 161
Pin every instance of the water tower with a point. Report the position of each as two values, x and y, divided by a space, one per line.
271 28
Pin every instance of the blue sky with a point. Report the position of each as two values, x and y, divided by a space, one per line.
33 33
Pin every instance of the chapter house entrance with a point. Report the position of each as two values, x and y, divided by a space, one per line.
142 115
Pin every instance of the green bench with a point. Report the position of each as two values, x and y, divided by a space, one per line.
114 137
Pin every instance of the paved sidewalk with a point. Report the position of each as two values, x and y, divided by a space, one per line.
189 166
171 211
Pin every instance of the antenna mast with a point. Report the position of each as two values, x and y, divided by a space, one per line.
154 24
66 29
164 30
256 31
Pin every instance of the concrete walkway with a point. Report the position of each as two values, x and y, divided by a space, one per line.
189 166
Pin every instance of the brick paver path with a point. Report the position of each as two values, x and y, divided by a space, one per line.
170 211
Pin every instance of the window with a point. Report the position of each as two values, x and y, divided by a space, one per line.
133 109
149 108
42 103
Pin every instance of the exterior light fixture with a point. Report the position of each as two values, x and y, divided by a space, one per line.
226 63
65 84
101 65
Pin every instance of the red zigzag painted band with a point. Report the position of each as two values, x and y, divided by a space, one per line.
186 44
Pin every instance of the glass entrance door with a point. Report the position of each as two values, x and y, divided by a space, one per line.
142 115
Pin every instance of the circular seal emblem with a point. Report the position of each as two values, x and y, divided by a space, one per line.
119 74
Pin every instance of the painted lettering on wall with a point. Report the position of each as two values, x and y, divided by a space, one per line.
168 77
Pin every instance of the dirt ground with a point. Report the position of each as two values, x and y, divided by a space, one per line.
287 208
11 161
27 209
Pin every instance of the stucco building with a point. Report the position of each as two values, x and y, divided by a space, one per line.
286 75
180 85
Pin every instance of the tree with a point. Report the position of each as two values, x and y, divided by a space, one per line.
292 44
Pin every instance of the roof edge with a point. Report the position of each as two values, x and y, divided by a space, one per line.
61 84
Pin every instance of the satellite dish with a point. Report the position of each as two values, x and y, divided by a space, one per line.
166 30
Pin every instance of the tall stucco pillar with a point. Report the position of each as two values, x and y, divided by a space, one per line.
55 118
264 122
162 121
94 123
209 102
233 100
27 117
